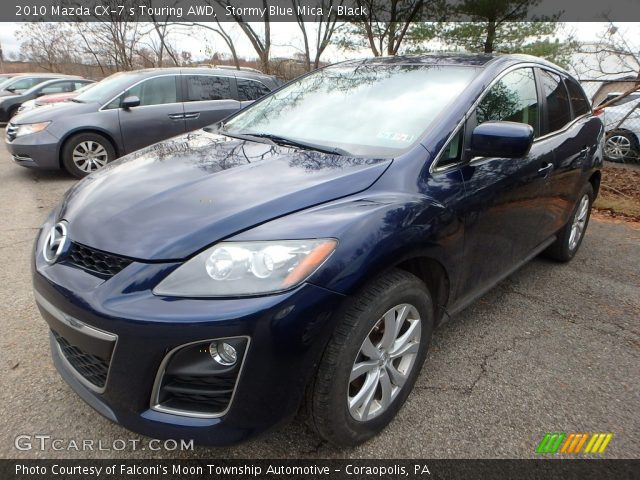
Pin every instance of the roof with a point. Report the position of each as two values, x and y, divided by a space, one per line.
203 70
468 59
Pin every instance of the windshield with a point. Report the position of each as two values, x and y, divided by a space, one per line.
364 110
106 89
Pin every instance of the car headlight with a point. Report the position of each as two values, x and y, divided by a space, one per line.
27 128
247 268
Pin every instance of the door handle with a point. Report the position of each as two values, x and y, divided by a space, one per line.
192 115
176 116
545 170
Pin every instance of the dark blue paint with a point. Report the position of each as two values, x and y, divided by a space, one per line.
165 203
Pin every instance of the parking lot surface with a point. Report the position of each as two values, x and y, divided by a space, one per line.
554 348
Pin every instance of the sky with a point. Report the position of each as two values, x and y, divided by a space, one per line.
286 39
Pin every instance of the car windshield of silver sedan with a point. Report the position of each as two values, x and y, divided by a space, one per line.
364 110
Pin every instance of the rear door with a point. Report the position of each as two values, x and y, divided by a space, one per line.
568 126
159 116
503 195
208 99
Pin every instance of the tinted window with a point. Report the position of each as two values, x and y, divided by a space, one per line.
155 91
207 87
558 109
250 90
579 102
512 99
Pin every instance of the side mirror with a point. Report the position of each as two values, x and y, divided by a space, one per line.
130 102
501 139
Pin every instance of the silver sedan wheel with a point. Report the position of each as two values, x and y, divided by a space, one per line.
617 147
579 223
384 362
89 156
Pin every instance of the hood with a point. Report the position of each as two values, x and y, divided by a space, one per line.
55 97
172 199
61 111
7 93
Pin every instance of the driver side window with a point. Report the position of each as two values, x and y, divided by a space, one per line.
514 98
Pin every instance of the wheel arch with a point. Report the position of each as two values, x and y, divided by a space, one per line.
594 180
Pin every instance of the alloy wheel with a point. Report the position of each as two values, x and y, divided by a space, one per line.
617 147
89 156
384 362
579 222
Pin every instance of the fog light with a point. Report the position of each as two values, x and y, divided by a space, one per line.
223 353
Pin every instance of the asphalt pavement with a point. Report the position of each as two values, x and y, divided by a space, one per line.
554 348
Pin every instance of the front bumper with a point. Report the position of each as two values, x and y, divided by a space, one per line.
37 150
287 334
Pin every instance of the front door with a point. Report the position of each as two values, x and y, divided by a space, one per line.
503 199
159 116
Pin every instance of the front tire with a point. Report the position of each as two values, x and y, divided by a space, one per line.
620 146
86 153
373 359
570 237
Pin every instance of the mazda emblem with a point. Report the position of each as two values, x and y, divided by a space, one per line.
55 242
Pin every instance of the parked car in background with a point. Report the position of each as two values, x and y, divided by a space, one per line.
23 82
10 104
308 246
622 124
53 98
128 111
6 76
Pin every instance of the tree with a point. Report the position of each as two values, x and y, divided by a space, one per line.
47 45
612 54
385 24
325 24
159 43
501 26
260 40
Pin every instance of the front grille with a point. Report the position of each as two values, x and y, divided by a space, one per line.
96 261
11 132
94 369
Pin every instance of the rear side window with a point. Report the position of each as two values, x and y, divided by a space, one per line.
155 91
512 99
558 108
250 89
579 102
207 87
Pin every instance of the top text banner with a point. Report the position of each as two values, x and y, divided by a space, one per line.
308 10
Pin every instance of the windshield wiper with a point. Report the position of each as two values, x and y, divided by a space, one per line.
300 144
75 100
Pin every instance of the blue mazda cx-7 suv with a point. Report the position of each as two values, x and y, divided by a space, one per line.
306 247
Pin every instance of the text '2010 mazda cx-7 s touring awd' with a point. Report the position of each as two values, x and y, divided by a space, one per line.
307 246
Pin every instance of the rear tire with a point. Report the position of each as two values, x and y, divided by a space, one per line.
570 237
369 369
86 153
